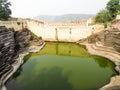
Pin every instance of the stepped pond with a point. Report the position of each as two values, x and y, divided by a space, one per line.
62 66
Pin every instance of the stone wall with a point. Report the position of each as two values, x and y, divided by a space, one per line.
6 50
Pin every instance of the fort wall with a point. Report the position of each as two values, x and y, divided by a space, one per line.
66 32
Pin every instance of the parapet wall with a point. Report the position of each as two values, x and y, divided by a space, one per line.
66 32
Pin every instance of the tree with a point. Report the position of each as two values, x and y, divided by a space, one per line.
113 6
103 16
5 11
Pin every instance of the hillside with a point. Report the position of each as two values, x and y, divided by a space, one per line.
64 18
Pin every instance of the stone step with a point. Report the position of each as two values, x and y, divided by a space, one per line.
101 48
107 49
6 39
3 67
6 58
2 28
107 52
7 32
6 53
6 69
4 35
6 73
5 50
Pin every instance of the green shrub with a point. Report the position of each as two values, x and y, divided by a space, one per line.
103 16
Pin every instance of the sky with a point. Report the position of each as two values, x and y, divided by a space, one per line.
32 8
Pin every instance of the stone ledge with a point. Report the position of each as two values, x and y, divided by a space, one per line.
113 85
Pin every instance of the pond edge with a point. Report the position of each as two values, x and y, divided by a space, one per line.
94 49
111 54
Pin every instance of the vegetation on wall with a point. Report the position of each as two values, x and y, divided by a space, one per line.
5 11
109 13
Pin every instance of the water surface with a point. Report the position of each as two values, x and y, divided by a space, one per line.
62 66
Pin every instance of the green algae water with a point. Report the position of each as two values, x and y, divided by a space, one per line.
62 66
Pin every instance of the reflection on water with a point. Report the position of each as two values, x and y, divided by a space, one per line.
62 66
49 80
